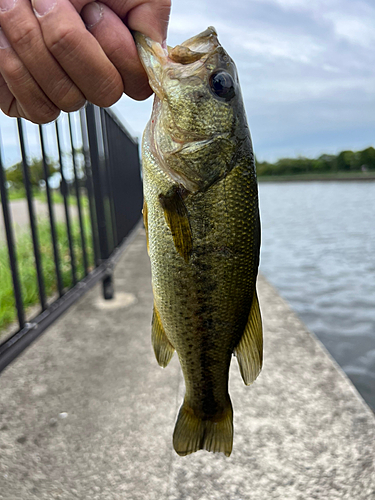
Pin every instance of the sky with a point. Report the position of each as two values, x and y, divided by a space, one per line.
306 70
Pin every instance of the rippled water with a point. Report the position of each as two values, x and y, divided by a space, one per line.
318 250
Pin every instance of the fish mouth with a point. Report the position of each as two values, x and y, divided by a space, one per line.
195 47
168 67
178 62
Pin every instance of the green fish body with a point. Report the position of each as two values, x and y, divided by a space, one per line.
203 231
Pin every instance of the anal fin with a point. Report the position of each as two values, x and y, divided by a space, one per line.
163 349
249 350
176 216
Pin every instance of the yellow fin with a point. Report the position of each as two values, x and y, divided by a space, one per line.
249 350
163 349
176 216
191 433
145 222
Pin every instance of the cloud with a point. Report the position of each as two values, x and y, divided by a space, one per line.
351 20
306 69
355 29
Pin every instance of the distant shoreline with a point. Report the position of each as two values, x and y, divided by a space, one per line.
339 176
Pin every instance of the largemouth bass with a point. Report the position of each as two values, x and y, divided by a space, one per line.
203 231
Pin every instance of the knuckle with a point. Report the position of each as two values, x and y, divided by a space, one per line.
140 95
42 114
109 93
68 97
15 72
140 92
64 41
45 114
10 111
24 34
28 97
75 106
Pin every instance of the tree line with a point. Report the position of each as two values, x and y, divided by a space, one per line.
15 178
346 161
14 174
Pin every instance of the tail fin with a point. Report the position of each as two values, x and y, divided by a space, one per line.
192 433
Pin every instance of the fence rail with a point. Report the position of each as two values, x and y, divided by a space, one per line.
94 163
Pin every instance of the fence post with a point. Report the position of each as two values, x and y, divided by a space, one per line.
115 198
101 194
51 213
33 225
11 247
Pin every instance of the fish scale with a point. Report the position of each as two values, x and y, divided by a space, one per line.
203 230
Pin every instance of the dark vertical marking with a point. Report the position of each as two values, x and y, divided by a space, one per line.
11 247
78 197
33 226
51 214
64 189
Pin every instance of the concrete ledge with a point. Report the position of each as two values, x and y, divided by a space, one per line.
86 412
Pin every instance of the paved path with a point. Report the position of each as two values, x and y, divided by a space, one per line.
86 412
20 214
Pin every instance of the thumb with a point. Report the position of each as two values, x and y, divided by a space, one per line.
151 19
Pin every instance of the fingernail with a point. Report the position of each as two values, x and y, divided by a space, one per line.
92 14
42 7
4 44
6 5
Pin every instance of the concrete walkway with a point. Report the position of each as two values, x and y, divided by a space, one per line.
86 412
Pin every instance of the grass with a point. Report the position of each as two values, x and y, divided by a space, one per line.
27 271
58 198
16 194
20 194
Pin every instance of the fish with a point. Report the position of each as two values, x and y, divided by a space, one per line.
202 224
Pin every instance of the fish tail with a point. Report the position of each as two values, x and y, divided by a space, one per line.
192 433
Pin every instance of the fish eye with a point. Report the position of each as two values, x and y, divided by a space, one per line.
222 85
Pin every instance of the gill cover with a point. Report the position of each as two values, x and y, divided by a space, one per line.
196 109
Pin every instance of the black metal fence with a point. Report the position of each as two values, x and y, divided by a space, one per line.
83 171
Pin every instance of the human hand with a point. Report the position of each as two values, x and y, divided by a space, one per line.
50 61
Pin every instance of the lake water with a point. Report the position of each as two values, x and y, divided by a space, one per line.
318 250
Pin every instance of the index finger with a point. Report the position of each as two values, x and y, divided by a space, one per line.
78 52
150 17
118 43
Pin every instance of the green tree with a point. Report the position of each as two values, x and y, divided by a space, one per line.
15 173
326 163
367 158
347 160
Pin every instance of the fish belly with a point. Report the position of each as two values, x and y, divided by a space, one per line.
203 304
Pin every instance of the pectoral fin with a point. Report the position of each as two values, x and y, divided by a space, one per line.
176 216
163 349
145 222
249 350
